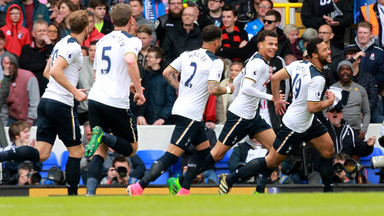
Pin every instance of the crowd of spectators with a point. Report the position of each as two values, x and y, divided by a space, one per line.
30 28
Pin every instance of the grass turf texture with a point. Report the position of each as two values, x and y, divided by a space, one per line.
267 204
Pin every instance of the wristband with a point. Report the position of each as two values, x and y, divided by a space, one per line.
229 90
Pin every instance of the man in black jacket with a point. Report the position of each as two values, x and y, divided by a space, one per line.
34 56
168 21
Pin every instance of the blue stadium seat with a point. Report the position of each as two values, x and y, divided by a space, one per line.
366 163
148 157
222 166
64 159
50 162
176 168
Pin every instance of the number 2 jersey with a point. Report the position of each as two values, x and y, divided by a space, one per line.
196 68
112 82
70 49
307 86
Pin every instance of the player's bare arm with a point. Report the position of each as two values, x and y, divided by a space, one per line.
172 77
314 107
275 85
47 68
58 74
214 88
133 71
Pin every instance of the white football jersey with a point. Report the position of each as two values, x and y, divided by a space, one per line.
307 86
112 82
70 49
196 68
256 70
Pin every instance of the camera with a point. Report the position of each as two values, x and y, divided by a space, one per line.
122 171
350 166
35 177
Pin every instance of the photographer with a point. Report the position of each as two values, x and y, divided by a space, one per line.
121 172
27 176
340 175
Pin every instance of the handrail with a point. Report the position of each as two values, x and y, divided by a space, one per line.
286 7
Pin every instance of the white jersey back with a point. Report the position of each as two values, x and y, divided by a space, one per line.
112 82
307 86
257 70
196 68
70 49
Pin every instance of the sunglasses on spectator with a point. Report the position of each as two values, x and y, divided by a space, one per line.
268 21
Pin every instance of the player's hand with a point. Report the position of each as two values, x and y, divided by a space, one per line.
6 63
159 122
141 120
371 141
280 106
132 88
210 125
80 95
362 135
139 98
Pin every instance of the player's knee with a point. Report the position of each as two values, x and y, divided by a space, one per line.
328 153
44 156
134 150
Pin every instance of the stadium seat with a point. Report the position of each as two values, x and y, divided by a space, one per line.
366 163
148 157
64 160
176 168
50 162
222 166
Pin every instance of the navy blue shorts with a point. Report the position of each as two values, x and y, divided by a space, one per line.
236 128
287 140
187 132
56 118
112 120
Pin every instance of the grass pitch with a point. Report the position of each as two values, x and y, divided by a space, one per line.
267 204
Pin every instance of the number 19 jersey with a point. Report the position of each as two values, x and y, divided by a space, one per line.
196 68
112 82
307 86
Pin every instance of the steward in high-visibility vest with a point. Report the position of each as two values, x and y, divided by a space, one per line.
371 14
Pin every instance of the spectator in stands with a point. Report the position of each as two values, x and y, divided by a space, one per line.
215 11
94 34
19 133
32 11
202 19
373 61
77 3
144 33
53 33
292 33
234 38
159 93
16 35
168 21
100 8
34 57
344 138
86 79
325 32
137 12
2 51
4 91
377 115
340 174
223 101
22 174
337 14
66 7
53 11
362 77
374 15
128 171
358 103
24 95
261 7
185 36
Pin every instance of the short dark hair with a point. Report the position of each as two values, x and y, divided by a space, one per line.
94 3
144 29
158 52
119 159
351 50
365 24
140 1
121 14
265 33
274 13
211 33
312 46
230 8
94 42
341 156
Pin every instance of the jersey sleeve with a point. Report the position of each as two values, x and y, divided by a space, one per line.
216 70
315 88
133 45
70 53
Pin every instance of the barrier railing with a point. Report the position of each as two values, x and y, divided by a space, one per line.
286 7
